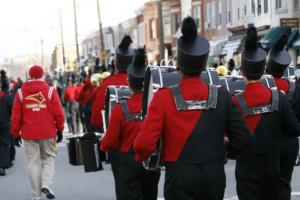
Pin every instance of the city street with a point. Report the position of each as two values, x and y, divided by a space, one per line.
72 183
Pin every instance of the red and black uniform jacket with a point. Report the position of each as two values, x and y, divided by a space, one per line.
121 133
193 136
268 128
284 85
37 112
98 105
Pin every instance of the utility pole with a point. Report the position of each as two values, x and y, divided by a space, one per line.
161 30
62 39
101 37
42 51
76 31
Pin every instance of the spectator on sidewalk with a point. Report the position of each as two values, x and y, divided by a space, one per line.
38 119
5 113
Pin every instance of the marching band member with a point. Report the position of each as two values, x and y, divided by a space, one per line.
192 118
279 60
124 125
268 116
124 57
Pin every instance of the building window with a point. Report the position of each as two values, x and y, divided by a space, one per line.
175 22
167 26
153 29
213 14
238 13
197 15
258 7
141 34
296 5
208 16
229 16
245 10
220 12
280 4
266 6
253 7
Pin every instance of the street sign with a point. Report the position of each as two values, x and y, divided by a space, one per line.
289 22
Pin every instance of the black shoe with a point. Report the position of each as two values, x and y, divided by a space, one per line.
49 193
2 172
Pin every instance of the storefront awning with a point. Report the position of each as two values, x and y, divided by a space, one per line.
296 44
292 37
270 39
216 47
231 47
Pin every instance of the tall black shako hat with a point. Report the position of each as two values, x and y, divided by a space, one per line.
137 70
253 58
124 54
279 58
192 50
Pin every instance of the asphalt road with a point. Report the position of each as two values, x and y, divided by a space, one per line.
72 183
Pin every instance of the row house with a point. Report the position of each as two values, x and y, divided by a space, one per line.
266 15
91 46
222 22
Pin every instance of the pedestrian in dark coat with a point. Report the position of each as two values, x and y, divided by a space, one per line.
6 103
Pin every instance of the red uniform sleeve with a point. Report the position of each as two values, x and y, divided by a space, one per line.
58 111
98 105
16 117
151 129
111 139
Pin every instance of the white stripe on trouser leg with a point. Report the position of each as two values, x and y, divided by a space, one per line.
32 149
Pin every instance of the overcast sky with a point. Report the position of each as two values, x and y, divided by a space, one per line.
23 23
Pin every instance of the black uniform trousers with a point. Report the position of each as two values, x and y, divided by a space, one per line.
257 176
114 158
5 158
186 181
81 116
289 149
136 183
87 117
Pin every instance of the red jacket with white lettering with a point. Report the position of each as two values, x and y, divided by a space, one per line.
98 105
37 112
